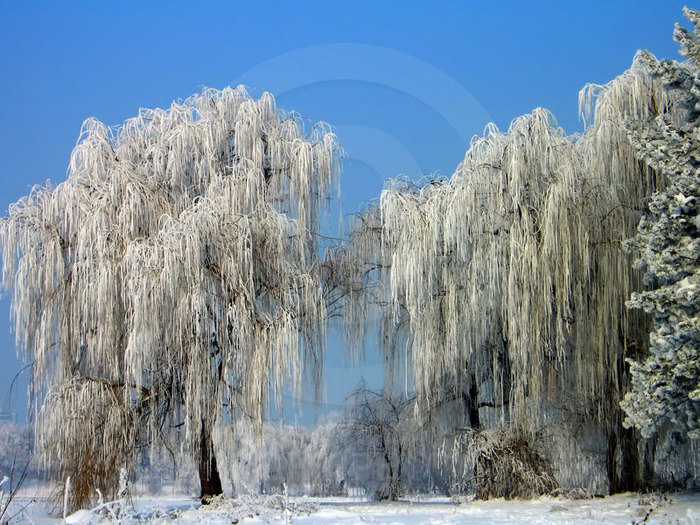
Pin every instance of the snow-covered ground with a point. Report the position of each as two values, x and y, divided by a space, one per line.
620 509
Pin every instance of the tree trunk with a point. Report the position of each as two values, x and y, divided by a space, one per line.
623 460
625 470
631 473
399 474
209 479
473 404
648 474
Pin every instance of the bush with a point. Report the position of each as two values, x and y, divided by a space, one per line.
507 465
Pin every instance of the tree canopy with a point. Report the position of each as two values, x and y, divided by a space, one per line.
174 283
507 282
172 279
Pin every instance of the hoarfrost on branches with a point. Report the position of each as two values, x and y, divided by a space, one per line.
507 282
665 387
173 283
381 427
172 279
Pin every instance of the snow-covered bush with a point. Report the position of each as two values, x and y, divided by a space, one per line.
505 463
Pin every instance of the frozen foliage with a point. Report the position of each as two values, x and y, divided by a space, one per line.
505 464
15 469
10 510
665 384
281 458
507 283
173 283
15 450
231 510
172 279
263 506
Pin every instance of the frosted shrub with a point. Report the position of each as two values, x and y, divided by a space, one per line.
507 464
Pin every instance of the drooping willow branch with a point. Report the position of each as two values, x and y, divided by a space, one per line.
178 260
513 269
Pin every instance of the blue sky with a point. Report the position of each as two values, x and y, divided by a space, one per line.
405 84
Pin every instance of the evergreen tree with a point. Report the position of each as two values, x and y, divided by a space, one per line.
665 384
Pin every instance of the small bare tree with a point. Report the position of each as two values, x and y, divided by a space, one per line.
380 426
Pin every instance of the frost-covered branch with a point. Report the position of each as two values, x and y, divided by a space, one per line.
177 269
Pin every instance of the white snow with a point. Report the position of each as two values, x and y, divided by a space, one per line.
620 509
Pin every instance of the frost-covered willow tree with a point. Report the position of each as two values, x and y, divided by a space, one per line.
666 383
506 284
172 279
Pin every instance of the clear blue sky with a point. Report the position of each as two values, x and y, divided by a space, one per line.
405 84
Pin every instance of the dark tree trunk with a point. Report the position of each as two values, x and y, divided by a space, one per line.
623 466
473 404
209 479
628 470
399 474
630 476
611 462
648 475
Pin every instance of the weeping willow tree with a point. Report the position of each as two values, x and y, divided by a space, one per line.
172 280
508 281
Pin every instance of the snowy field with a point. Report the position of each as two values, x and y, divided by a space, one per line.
620 509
